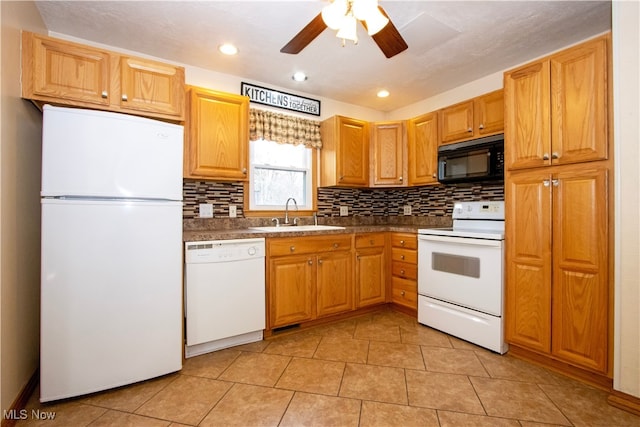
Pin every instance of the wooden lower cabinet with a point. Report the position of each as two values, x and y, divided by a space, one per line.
308 278
371 266
558 264
404 270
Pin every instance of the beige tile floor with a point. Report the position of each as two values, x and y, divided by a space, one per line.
381 369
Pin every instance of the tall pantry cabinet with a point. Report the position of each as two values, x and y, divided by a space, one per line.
558 194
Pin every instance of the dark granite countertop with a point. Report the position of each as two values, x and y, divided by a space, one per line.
222 229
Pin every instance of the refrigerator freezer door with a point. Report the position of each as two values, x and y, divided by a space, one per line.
89 153
111 285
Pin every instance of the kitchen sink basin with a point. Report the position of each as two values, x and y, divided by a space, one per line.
296 228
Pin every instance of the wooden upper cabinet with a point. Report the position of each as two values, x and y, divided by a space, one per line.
216 135
56 70
579 116
151 86
475 118
345 152
527 118
388 165
557 108
66 73
422 146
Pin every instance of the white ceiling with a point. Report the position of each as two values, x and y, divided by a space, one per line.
450 42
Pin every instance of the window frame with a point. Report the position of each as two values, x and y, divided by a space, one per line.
314 171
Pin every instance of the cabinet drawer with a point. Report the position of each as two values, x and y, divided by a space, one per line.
370 240
306 245
404 270
404 255
404 292
404 240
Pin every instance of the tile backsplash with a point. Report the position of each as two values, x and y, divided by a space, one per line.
427 201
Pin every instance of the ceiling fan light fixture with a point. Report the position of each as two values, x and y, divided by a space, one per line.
348 29
334 13
376 21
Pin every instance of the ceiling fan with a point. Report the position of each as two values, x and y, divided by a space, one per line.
342 15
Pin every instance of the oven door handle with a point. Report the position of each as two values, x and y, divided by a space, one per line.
460 240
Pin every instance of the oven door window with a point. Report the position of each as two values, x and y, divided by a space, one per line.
463 265
472 163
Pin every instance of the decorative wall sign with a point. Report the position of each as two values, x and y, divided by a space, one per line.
275 98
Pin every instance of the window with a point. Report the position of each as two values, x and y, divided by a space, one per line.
280 171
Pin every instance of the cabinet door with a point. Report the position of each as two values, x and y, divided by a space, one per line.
456 122
388 167
580 268
218 135
370 277
489 114
526 124
353 152
151 86
422 135
291 286
579 103
64 71
334 283
528 243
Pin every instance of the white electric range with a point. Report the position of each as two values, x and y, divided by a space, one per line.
461 275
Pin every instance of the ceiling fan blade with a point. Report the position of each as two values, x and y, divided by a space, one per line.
389 39
305 36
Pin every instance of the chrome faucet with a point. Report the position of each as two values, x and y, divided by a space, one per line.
286 209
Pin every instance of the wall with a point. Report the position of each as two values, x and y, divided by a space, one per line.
626 104
19 211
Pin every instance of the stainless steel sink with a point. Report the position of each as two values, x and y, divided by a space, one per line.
296 228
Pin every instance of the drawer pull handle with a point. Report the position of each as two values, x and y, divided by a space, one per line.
402 242
335 245
402 293
292 248
402 272
401 256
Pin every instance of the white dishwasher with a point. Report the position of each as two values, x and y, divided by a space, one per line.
224 294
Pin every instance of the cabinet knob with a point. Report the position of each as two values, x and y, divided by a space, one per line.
545 156
470 130
481 126
555 182
335 245
401 242
320 261
401 256
341 177
554 155
292 248
402 293
124 97
402 272
434 176
400 179
546 182
244 171
310 262
105 94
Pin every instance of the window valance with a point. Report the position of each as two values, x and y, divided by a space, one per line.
283 129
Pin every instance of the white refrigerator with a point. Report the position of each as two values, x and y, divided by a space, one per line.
111 265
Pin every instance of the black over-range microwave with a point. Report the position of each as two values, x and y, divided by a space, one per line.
472 161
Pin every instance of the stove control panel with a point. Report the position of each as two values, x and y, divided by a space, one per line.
479 210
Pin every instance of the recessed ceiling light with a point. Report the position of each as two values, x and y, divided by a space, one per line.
383 93
299 76
228 49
